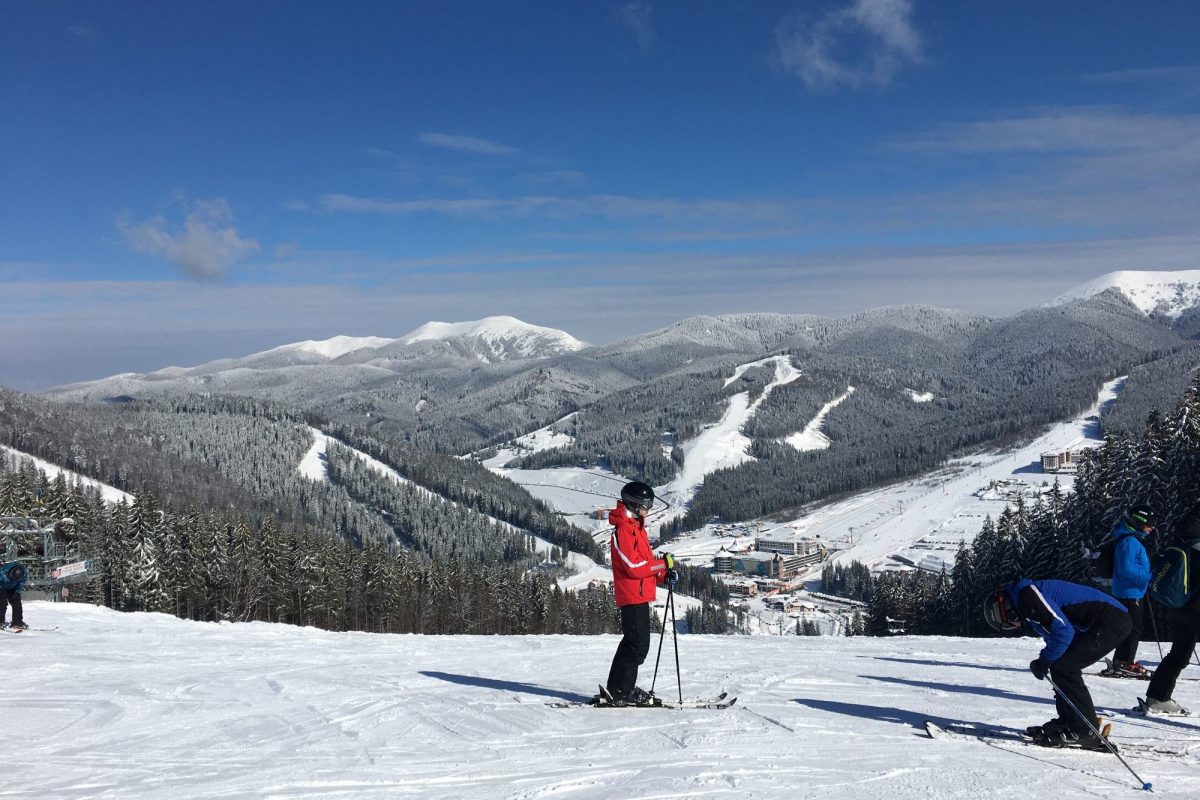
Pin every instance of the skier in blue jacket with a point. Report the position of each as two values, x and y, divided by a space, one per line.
1080 624
1131 577
12 580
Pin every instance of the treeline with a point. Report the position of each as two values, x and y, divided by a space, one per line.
853 581
215 566
469 483
1047 539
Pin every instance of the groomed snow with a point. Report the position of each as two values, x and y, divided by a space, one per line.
812 438
130 706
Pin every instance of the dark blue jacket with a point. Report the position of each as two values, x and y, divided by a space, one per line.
1131 564
1057 610
7 582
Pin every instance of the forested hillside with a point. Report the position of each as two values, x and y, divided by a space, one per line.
1157 466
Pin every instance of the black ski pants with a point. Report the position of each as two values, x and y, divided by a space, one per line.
1127 650
7 598
1185 632
632 651
1085 649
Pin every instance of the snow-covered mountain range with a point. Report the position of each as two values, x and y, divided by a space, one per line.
1167 294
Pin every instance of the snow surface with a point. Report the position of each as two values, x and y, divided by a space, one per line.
1168 293
108 493
118 706
334 347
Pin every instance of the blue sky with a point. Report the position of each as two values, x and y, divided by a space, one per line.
182 182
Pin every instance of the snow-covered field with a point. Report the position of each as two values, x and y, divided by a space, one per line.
131 706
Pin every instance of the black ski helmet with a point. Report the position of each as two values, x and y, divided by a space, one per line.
637 495
999 613
1141 516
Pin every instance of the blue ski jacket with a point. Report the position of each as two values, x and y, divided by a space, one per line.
8 582
1131 564
1057 610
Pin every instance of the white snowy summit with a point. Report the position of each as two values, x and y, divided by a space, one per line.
333 347
499 338
1166 293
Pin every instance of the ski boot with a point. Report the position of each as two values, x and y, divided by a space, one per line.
19 626
1149 707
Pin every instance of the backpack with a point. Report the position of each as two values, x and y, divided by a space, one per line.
1106 558
1170 581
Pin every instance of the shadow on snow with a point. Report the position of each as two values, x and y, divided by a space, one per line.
505 686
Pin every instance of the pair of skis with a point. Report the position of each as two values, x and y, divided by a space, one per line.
10 629
603 699
1008 735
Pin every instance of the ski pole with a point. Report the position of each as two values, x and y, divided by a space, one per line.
661 636
1145 784
1154 624
675 638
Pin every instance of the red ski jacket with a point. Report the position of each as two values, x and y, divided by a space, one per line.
635 569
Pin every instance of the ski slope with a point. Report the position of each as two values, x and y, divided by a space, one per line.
136 706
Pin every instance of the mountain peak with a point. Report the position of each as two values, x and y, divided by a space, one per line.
333 347
499 338
1165 293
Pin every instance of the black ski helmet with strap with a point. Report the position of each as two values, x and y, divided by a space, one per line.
637 495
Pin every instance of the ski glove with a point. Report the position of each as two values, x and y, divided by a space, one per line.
1038 668
669 559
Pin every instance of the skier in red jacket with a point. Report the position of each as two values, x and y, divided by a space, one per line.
636 575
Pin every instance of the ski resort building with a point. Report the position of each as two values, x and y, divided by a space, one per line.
1064 461
760 564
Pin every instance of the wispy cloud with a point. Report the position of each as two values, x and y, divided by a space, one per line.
556 206
864 43
638 18
204 246
1160 75
1064 130
467 144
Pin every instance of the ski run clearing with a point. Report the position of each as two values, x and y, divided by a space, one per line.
125 706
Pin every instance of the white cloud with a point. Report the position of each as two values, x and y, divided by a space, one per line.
638 18
467 144
865 43
205 245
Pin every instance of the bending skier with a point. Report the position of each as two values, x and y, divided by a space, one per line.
1080 624
636 575
12 579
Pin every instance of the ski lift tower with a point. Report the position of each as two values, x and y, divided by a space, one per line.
54 561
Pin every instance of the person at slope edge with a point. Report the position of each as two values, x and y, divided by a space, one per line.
12 579
1186 622
636 575
1131 578
1080 624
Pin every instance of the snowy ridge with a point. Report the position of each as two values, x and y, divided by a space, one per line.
334 347
499 338
1165 293
158 707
